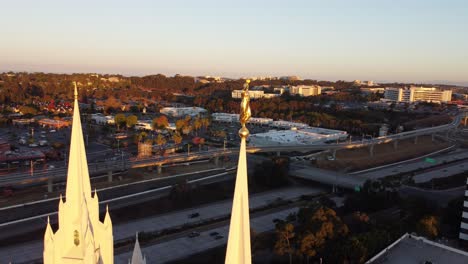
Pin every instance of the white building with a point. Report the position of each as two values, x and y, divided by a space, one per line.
234 118
288 125
373 90
182 111
101 119
144 125
305 90
254 94
414 94
225 117
312 135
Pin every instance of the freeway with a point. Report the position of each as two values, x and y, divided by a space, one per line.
184 246
17 253
123 164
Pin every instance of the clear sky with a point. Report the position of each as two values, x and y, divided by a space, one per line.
392 40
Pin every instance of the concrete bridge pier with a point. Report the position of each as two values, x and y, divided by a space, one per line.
395 144
371 150
109 176
216 161
278 153
50 184
334 154
416 140
159 168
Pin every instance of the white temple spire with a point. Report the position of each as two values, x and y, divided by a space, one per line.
78 177
137 256
81 238
238 245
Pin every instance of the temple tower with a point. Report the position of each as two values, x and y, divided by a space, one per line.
81 237
238 245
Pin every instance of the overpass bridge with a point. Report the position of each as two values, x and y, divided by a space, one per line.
123 164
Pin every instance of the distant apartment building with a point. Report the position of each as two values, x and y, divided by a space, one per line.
379 90
415 94
365 83
305 90
257 92
182 111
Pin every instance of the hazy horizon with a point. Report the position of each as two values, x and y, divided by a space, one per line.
434 82
396 41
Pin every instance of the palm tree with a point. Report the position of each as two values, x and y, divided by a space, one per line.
160 141
177 138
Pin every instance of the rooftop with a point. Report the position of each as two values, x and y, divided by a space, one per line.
414 249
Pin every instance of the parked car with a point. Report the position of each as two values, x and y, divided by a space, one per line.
193 234
194 215
214 233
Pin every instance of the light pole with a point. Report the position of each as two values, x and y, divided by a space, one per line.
188 149
224 145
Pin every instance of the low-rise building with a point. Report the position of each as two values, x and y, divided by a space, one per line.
311 135
373 90
288 125
305 90
46 122
414 249
101 119
144 125
182 111
234 118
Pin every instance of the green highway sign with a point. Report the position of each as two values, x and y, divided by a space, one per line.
357 188
429 160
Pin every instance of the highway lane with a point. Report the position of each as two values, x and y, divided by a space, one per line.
415 165
16 254
185 246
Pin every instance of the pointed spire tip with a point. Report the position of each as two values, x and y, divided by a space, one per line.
76 91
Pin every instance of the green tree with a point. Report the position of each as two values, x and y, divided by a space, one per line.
28 110
177 138
120 120
319 225
160 140
160 122
428 226
285 240
180 124
131 120
197 124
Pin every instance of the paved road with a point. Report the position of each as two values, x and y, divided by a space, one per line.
441 197
184 247
326 176
18 254
443 172
416 165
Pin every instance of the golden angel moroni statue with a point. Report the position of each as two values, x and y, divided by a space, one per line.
245 113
